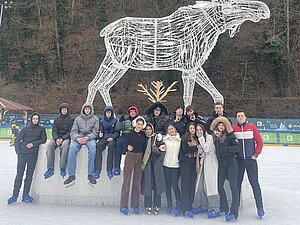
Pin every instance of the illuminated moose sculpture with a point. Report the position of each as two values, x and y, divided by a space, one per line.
181 41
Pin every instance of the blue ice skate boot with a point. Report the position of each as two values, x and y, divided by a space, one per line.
110 175
116 171
49 173
136 210
63 173
27 199
12 199
213 214
96 174
189 214
230 217
260 213
125 211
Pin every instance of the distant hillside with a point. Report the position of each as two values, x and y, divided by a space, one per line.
51 50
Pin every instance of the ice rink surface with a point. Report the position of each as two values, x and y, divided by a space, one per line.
279 169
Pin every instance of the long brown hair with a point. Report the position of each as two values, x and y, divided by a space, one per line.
187 135
203 128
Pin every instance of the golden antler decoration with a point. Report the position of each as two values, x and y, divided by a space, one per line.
159 94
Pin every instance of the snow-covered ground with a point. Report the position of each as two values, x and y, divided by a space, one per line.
279 178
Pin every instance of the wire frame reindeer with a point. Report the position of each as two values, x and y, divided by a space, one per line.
181 41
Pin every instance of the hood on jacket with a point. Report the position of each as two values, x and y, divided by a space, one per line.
35 114
87 104
139 117
224 120
64 105
150 125
132 107
108 108
150 110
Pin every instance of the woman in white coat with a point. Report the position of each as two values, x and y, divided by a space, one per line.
207 181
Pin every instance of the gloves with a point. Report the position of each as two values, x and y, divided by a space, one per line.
159 137
162 148
199 134
218 134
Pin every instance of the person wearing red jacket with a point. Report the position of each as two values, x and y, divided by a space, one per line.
251 145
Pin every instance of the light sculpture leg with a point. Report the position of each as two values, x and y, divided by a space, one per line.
203 80
188 88
109 72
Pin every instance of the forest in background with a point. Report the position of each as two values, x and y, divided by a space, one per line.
51 50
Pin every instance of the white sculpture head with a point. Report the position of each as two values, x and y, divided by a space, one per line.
235 12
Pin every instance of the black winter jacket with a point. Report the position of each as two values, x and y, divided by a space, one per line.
35 134
228 148
62 127
185 149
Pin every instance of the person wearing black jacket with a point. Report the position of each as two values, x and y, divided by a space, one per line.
178 120
227 146
219 111
192 116
187 160
60 139
157 115
137 143
27 144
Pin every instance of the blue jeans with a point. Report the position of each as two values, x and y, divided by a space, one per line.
73 151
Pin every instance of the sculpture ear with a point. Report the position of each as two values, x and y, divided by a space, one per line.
227 8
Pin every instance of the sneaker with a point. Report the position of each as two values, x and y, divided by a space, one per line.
260 213
71 180
110 175
156 210
136 210
125 211
213 214
27 199
96 174
12 199
116 171
49 173
91 179
63 173
189 214
230 217
148 210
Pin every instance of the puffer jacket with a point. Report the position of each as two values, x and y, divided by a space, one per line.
85 125
33 133
124 124
62 124
108 125
172 151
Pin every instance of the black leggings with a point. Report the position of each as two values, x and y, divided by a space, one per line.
171 178
228 169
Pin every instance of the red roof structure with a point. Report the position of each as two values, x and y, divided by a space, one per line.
7 105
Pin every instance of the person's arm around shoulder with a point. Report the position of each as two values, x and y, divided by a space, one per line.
234 144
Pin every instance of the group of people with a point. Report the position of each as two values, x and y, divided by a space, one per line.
160 150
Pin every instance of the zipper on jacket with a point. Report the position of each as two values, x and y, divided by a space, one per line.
243 142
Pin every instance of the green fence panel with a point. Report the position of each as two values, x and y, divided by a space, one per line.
269 138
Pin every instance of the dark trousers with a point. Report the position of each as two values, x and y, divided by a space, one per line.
24 160
132 164
188 182
120 146
155 202
250 166
101 145
172 178
228 169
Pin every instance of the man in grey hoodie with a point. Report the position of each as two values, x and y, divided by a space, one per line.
84 132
